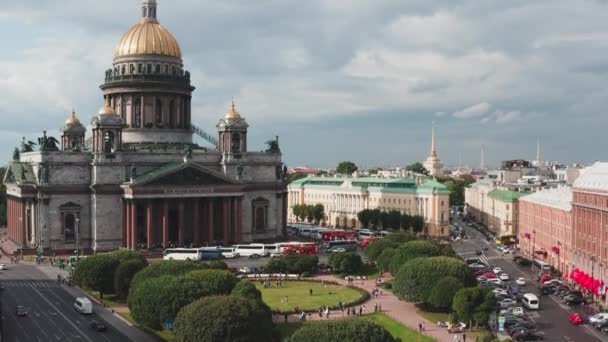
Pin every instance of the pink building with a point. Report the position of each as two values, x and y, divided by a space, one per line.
590 228
545 221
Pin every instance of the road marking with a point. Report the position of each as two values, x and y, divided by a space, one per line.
62 315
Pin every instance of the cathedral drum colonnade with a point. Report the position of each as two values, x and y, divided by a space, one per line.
138 179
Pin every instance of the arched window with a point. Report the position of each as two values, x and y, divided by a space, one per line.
260 218
236 143
109 142
137 122
144 12
172 121
131 69
159 113
122 70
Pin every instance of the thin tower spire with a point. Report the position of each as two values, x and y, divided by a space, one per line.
538 151
482 162
433 147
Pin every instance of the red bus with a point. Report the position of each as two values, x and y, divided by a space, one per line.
300 250
368 241
333 235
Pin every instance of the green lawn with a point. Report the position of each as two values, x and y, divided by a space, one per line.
163 335
434 317
395 328
297 293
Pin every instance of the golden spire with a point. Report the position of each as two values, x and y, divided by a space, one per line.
232 114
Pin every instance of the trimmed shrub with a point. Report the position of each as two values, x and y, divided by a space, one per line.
213 282
124 254
443 292
345 262
384 259
352 330
416 278
473 304
218 265
167 267
411 250
246 289
374 250
223 318
96 272
295 264
124 274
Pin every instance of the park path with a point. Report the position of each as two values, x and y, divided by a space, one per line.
403 312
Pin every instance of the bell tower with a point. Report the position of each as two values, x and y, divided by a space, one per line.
232 130
107 131
72 134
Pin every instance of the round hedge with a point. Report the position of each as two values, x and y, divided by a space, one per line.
167 267
374 250
223 318
352 330
213 282
124 254
125 272
96 272
411 250
345 262
443 292
416 278
296 264
246 289
384 259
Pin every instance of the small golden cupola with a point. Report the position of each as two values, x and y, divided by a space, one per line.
72 134
232 130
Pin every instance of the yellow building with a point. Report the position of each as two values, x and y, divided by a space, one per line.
343 198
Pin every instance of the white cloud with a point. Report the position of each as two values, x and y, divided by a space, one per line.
440 114
474 111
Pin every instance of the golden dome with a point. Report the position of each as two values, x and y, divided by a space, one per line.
148 38
72 120
232 114
106 110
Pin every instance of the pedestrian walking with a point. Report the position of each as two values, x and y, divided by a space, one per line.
464 337
423 328
379 307
286 317
310 292
420 328
376 307
360 310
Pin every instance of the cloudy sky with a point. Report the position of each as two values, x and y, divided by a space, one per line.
338 79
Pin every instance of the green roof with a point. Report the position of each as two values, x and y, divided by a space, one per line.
506 195
153 173
19 173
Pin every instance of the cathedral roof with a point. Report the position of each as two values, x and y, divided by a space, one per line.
148 37
19 173
73 125
171 168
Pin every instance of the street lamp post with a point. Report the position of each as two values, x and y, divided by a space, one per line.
533 246
559 251
77 238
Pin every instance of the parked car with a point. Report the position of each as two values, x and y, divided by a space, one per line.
478 252
497 270
527 336
245 270
500 291
477 266
515 311
523 262
517 257
20 311
507 303
552 282
97 325
576 319
495 281
530 301
600 325
482 278
3 267
504 276
573 300
523 325
598 317
489 275
484 248
545 290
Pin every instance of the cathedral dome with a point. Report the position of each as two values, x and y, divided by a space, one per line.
232 113
72 120
148 38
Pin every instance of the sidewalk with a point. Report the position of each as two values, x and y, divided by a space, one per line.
403 312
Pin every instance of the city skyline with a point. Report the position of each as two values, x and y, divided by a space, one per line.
493 75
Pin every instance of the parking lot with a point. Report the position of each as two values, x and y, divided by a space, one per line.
551 320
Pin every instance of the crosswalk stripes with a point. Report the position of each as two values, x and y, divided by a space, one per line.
29 283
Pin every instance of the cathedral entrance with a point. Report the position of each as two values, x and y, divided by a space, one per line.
173 222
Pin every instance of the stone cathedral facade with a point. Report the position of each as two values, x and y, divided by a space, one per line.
138 180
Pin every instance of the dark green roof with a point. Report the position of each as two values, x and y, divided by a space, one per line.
20 173
371 183
506 195
153 173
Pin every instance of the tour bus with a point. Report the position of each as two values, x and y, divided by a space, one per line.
280 246
251 250
300 249
347 245
209 253
228 252
364 233
331 235
205 253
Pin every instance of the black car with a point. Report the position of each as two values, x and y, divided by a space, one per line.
21 311
521 326
573 300
97 325
546 289
523 262
478 252
601 325
527 336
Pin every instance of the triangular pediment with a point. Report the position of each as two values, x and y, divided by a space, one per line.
181 175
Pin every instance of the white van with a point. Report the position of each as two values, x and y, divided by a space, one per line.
83 305
251 250
530 301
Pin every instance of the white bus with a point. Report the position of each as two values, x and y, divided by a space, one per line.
364 233
181 254
251 250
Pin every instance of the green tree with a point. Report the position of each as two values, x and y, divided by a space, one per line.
310 211
296 210
318 212
213 282
443 292
295 264
411 250
123 254
416 278
346 168
364 217
223 318
124 274
417 167
351 330
394 219
302 212
382 220
97 272
405 221
246 289
473 304
417 223
345 262
167 267
374 218
384 259
390 241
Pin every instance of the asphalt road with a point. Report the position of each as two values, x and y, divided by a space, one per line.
552 318
51 316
